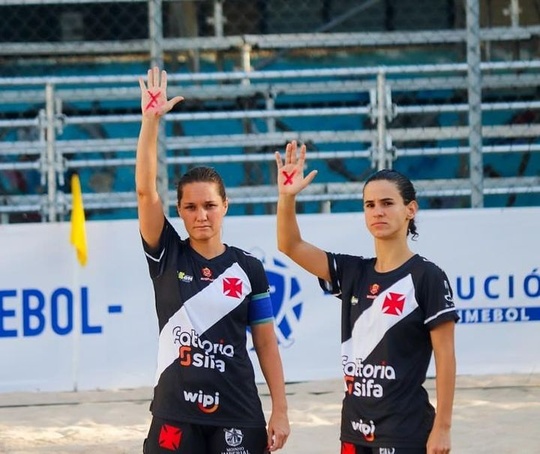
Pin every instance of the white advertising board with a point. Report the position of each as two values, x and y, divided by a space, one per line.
65 327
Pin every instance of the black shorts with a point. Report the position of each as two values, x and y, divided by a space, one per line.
166 437
349 448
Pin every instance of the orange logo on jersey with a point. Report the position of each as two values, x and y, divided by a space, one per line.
208 410
374 289
207 403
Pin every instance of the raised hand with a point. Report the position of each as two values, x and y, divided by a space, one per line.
290 178
154 94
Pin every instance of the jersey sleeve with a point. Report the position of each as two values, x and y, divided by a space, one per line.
157 257
260 309
333 286
436 297
342 269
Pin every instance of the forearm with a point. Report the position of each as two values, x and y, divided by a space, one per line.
273 373
266 346
445 388
442 339
288 231
272 369
146 160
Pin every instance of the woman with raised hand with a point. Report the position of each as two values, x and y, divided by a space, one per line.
206 295
397 309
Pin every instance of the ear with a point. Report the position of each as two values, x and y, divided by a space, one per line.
412 209
178 211
225 206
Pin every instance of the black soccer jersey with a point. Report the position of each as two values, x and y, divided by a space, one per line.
204 373
386 347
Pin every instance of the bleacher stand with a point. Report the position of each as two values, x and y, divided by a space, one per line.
444 91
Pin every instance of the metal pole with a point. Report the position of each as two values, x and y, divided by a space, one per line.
474 88
50 116
270 104
155 26
155 17
43 166
383 160
246 62
514 11
219 19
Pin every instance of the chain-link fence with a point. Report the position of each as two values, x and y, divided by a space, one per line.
445 91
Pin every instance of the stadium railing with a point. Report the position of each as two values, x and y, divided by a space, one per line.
382 121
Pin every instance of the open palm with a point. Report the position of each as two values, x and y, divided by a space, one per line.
154 94
290 173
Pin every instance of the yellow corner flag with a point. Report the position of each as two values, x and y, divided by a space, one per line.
78 227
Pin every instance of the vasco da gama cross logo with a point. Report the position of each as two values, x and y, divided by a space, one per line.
232 286
393 303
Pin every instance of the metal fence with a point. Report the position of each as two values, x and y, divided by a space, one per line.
445 91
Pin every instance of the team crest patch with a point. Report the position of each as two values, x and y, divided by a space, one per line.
233 437
170 437
232 286
393 303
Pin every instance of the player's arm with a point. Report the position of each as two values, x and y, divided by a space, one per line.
266 347
442 339
154 105
289 239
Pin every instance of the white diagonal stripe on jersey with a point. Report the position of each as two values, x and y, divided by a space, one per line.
199 313
376 323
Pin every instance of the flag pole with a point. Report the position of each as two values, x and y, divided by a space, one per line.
76 323
78 240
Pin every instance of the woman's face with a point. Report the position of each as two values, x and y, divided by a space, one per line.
202 209
386 215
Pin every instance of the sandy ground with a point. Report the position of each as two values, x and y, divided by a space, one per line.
492 414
